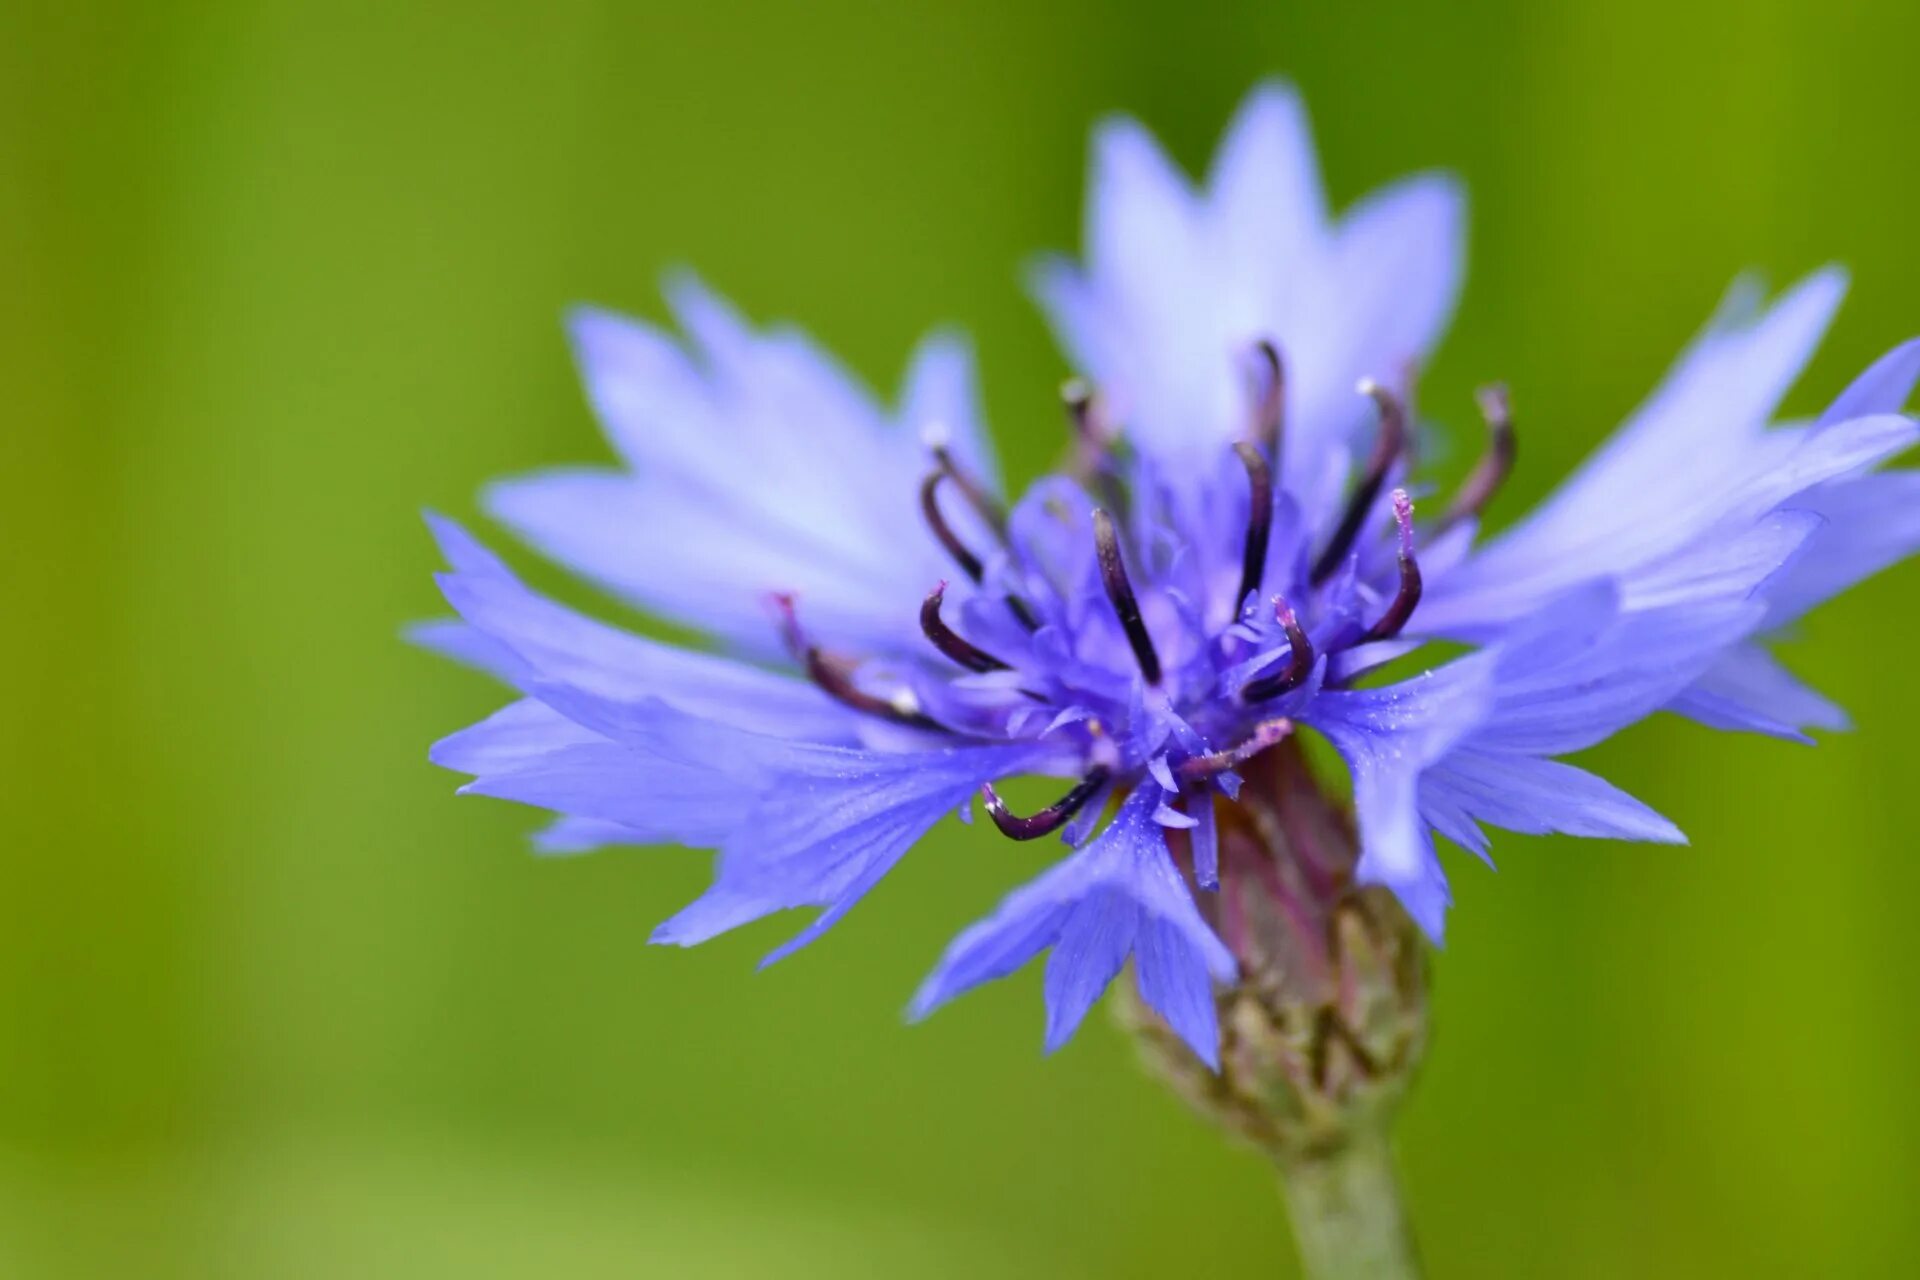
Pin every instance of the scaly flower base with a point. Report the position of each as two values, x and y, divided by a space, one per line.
1321 1037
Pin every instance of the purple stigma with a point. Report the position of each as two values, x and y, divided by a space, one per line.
1253 555
1408 596
1113 576
1049 819
1386 449
949 641
1299 659
1494 466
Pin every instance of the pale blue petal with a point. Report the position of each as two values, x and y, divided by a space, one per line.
569 835
1748 691
553 643
1533 796
1388 737
514 737
823 825
1118 896
659 800
1884 388
1695 457
942 390
1869 523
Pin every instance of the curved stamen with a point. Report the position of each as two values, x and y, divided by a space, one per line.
1113 576
835 677
970 564
971 489
1299 659
1253 555
1268 733
1386 448
1491 471
1049 819
1270 402
1408 596
949 641
963 556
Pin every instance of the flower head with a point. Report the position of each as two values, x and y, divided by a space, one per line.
1230 553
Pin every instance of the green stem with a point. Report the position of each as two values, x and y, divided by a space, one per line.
1347 1219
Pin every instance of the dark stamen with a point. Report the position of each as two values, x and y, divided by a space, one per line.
1270 400
1408 596
970 564
972 490
950 642
1386 448
1113 576
836 679
1253 556
930 508
1049 819
1491 471
1299 660
1267 733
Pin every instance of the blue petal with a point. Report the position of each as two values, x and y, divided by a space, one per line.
1693 463
530 638
1868 523
451 638
1205 837
1468 744
1178 284
824 825
1388 737
1588 667
755 464
1748 691
513 737
1118 896
569 835
1884 388
658 800
1533 796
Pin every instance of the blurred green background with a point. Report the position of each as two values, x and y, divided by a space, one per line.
274 1003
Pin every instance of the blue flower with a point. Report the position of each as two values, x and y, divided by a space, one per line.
1231 552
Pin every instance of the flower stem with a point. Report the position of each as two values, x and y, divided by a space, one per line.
1347 1219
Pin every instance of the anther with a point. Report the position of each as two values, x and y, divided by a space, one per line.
1049 819
1491 471
1113 576
1253 555
1408 596
950 642
1386 448
1299 659
1270 398
836 681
